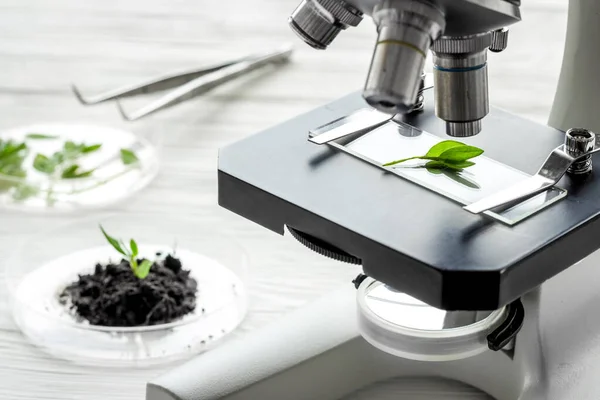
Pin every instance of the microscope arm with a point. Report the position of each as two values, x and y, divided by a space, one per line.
577 99
317 352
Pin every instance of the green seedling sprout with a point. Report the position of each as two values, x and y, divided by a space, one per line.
449 154
140 270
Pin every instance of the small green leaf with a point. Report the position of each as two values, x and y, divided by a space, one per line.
73 172
448 154
134 248
441 147
71 150
456 166
10 149
113 242
461 153
144 269
40 136
70 146
70 172
44 164
12 156
435 165
91 149
58 157
128 157
24 191
460 165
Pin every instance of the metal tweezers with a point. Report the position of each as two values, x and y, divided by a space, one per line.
186 84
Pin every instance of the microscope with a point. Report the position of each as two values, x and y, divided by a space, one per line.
481 277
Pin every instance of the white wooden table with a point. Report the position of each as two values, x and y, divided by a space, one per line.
47 45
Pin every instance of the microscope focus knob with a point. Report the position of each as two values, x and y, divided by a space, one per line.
579 141
499 40
318 22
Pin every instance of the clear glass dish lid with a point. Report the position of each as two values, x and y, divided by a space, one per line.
401 325
69 167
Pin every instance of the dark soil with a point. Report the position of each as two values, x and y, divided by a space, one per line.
114 296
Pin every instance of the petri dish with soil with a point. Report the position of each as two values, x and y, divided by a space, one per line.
60 167
173 291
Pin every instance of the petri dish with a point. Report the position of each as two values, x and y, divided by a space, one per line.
45 264
111 180
401 325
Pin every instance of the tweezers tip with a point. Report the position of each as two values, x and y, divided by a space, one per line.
78 95
124 115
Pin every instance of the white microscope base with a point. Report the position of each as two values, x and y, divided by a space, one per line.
316 353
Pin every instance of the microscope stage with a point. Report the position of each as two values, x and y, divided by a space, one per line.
407 236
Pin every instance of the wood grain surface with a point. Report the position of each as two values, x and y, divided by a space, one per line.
47 45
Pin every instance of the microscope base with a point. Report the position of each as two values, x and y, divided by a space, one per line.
317 353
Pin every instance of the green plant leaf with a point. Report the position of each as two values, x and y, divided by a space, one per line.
40 136
44 164
73 172
12 156
461 153
70 172
456 166
24 191
113 242
434 170
134 248
128 157
72 150
58 157
91 148
441 147
435 165
10 149
448 154
144 269
70 146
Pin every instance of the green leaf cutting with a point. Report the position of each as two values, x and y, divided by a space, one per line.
12 171
456 166
44 164
461 153
12 156
23 191
128 157
448 154
441 147
73 172
40 136
91 149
